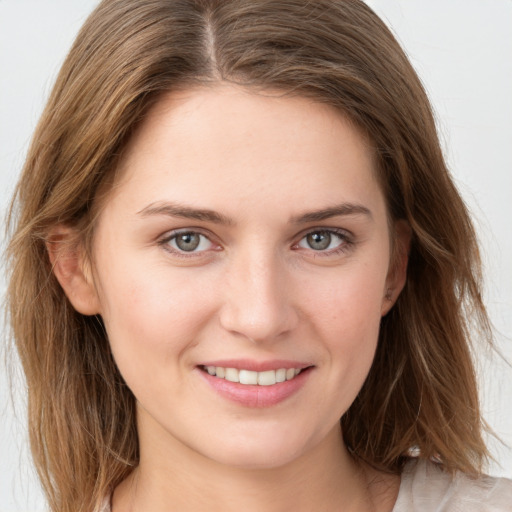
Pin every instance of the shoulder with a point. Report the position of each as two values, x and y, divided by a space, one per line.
105 507
426 487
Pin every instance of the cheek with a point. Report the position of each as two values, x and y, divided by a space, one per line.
151 316
346 318
351 332
348 299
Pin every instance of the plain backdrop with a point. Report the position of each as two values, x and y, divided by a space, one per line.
462 50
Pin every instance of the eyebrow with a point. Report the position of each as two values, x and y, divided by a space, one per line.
201 214
185 212
342 209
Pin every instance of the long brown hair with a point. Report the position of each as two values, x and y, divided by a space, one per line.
421 391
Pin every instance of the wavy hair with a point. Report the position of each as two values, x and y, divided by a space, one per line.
421 390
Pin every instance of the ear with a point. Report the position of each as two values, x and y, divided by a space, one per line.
72 269
397 274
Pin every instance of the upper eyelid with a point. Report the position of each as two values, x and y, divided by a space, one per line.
166 238
169 235
344 233
164 242
174 232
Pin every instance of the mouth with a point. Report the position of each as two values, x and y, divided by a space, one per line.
255 384
253 378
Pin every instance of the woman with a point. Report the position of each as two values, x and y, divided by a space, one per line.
235 228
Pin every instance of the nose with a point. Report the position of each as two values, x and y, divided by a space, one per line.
257 301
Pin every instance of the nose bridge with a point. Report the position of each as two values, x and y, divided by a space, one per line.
257 304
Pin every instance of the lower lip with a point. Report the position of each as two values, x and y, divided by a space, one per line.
256 396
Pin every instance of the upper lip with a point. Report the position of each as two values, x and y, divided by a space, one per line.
256 366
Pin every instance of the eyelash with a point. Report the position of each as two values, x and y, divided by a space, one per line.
346 242
164 242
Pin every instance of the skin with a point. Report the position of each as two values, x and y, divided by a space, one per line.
254 289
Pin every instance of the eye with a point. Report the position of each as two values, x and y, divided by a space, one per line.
188 241
323 240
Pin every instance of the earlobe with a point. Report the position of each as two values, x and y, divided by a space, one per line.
397 274
70 267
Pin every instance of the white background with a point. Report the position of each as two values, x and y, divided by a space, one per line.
462 50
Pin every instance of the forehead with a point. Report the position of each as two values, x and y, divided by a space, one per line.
225 143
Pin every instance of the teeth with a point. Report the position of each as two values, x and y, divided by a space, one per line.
266 378
280 375
232 374
248 377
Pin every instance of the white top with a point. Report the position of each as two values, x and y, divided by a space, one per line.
425 487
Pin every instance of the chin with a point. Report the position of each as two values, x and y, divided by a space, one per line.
257 459
260 451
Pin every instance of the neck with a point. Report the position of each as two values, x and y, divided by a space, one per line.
326 478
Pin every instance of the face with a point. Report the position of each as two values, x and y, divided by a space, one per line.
242 263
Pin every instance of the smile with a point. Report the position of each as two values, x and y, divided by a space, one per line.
265 378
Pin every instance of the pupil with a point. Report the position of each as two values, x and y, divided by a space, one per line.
187 241
319 240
